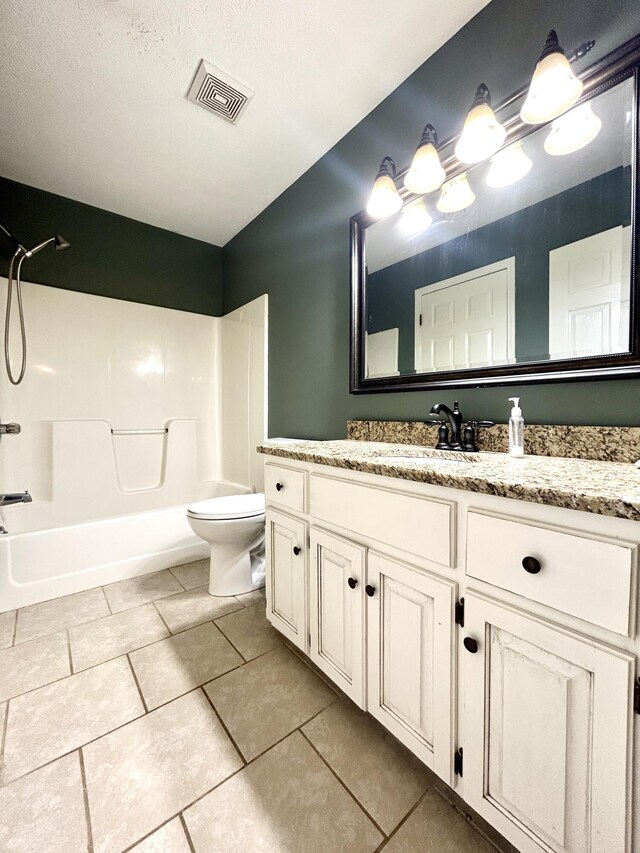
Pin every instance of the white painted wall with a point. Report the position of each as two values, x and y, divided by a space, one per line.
244 392
96 365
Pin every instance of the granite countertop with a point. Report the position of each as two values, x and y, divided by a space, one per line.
604 488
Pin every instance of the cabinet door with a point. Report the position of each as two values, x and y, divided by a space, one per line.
547 721
336 611
411 661
285 581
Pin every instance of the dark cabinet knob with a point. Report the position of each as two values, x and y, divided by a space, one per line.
296 550
370 590
353 583
531 565
279 487
470 645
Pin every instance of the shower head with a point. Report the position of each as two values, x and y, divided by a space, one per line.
60 243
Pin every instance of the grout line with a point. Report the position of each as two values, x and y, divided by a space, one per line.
71 672
402 822
106 600
15 628
468 818
233 646
85 795
186 832
224 726
176 578
171 634
344 785
135 678
149 834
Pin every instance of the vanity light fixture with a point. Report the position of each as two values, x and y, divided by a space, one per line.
482 134
508 166
456 195
385 198
572 131
554 88
426 173
415 218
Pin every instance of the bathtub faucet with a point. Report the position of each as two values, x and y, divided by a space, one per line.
15 498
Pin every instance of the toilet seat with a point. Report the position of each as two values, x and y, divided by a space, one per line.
228 507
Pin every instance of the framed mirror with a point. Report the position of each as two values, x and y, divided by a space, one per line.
534 279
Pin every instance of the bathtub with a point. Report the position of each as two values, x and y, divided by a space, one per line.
43 564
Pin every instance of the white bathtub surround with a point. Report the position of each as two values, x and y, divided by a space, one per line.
122 412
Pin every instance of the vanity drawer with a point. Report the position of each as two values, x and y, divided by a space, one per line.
285 486
419 525
590 577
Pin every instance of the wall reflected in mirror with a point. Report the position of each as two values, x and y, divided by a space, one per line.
525 258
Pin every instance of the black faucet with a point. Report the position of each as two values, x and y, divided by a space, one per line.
452 442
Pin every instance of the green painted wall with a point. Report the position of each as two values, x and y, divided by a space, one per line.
528 235
297 250
110 255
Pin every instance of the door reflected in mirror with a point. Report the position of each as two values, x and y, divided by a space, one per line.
533 265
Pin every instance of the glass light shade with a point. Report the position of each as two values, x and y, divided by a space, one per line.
554 88
385 198
508 166
456 195
573 131
482 134
426 173
415 218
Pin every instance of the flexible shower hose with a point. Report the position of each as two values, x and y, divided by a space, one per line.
7 319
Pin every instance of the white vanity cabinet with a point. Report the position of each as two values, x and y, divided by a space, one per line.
547 715
286 575
495 638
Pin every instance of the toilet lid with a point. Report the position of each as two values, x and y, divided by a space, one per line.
229 506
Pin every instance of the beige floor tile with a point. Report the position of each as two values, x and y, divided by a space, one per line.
53 720
45 811
148 771
115 635
187 609
249 631
436 827
382 775
133 592
194 574
60 613
174 666
266 699
3 713
33 664
7 627
170 838
287 801
249 598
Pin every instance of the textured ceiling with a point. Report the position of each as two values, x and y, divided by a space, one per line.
92 102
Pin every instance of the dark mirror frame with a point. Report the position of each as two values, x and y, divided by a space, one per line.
621 64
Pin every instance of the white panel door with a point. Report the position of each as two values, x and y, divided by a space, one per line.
381 353
547 715
468 320
589 295
337 612
285 580
411 644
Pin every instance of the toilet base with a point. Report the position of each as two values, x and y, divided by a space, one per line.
232 573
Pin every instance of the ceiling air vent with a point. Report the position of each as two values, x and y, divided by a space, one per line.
218 92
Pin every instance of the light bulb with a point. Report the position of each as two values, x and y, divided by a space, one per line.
508 166
385 198
554 88
573 131
482 134
456 195
415 218
426 173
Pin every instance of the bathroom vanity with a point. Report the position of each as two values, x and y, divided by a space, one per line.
483 609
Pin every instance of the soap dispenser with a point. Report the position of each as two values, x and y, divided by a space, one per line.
516 429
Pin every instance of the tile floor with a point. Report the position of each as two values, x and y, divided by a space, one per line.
148 716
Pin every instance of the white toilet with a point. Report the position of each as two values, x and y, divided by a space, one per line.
234 527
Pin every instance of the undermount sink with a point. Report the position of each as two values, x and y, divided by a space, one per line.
427 456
